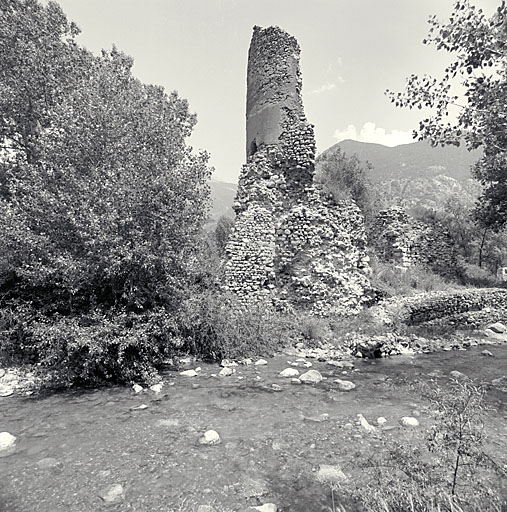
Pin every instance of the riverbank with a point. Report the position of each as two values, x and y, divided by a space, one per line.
279 442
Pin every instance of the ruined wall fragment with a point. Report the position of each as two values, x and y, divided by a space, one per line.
290 247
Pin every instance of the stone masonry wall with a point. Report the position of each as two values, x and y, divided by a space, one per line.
289 247
400 239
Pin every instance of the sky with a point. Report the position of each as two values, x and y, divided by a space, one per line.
351 52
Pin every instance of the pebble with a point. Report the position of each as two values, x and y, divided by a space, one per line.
50 463
210 437
311 377
289 372
137 388
113 494
7 443
276 387
497 327
226 363
261 362
225 372
487 353
381 421
409 421
189 373
295 381
6 390
139 407
345 385
157 388
267 507
364 423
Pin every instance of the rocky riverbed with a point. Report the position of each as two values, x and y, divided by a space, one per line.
273 434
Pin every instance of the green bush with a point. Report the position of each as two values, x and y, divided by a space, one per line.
97 348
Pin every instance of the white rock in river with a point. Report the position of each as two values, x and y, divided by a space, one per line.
137 388
486 353
157 388
261 362
189 373
6 390
498 327
7 443
113 494
381 421
409 421
345 385
209 437
267 507
330 474
289 372
311 377
225 372
364 423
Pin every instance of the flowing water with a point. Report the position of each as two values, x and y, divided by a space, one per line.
73 446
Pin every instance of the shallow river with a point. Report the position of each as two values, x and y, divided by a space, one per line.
272 441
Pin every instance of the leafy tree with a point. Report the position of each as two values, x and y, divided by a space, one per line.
479 46
346 177
101 199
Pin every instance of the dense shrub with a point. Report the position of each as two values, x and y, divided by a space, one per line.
215 326
392 280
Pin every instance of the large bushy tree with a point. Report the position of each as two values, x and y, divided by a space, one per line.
474 113
102 198
101 201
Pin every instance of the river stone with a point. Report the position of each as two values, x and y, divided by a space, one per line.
328 474
487 353
289 372
311 377
267 507
498 327
141 407
261 362
6 390
381 421
295 380
364 423
409 421
50 463
251 488
2 372
137 388
210 437
189 373
225 372
113 494
345 385
7 444
157 388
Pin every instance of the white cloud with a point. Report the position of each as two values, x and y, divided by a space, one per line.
371 133
324 88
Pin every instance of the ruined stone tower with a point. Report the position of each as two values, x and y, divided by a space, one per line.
290 247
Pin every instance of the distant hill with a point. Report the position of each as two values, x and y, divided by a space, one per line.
413 174
222 195
414 160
